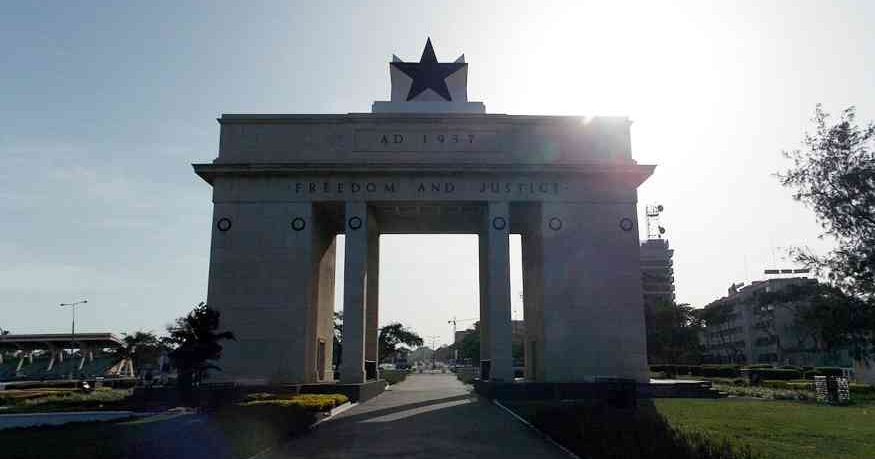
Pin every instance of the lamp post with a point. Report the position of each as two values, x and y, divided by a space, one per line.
73 329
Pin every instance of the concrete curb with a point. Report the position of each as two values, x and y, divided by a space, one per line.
543 435
334 412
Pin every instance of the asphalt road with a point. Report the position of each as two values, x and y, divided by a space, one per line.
426 416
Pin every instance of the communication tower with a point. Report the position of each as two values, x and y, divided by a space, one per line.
654 230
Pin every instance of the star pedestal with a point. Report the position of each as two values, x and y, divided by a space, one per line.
428 86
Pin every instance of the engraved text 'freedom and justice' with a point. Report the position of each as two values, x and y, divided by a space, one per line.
444 187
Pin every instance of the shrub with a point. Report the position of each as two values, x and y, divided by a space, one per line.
308 402
671 371
759 365
787 385
393 376
767 393
760 374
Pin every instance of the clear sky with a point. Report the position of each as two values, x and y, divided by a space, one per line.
103 107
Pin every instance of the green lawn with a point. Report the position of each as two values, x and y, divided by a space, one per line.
779 429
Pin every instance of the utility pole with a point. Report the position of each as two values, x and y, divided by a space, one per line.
433 349
73 328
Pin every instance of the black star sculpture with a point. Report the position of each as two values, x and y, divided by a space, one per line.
428 73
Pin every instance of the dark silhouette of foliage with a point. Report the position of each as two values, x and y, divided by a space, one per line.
195 343
715 316
337 342
834 174
140 348
469 347
673 333
393 335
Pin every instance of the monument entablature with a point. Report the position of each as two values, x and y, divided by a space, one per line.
423 138
426 161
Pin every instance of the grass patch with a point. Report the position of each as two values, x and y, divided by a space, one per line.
44 400
597 430
778 429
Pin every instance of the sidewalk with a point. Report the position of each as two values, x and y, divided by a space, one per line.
426 416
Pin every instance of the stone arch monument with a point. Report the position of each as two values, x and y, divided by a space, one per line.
426 161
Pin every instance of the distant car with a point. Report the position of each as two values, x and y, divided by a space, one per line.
387 366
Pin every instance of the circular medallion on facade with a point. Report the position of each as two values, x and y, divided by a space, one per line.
555 224
224 224
499 223
626 224
355 223
298 224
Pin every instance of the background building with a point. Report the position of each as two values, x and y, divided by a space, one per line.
738 329
657 272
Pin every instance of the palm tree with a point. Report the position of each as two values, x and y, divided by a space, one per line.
135 349
195 343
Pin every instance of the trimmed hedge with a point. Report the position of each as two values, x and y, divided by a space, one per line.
780 374
721 371
393 376
308 402
823 371
756 372
788 385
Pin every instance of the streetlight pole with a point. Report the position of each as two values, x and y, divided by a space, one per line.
433 349
73 329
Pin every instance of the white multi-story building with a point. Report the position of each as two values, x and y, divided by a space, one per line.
739 329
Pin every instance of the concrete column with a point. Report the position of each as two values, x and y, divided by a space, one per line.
320 333
495 320
262 281
352 368
372 311
592 304
533 306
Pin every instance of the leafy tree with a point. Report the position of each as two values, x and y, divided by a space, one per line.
673 333
337 342
715 317
195 342
393 335
469 347
834 174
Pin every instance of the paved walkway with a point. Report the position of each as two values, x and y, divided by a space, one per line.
426 416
